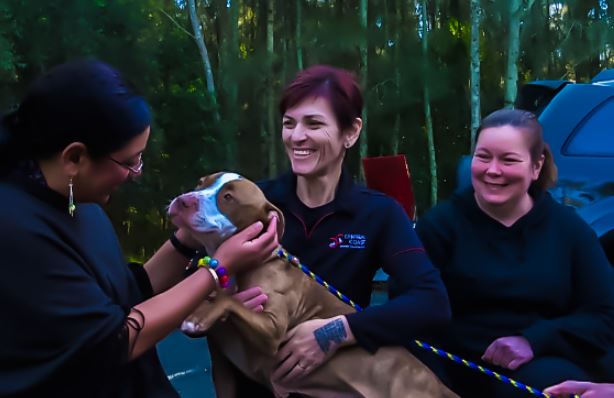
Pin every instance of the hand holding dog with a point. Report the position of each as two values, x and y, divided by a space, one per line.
509 352
252 298
246 248
309 345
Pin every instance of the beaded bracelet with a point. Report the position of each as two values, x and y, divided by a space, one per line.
214 267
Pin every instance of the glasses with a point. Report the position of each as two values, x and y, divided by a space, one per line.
133 168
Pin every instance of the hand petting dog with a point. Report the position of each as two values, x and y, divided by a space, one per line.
309 345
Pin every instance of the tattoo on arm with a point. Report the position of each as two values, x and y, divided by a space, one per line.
332 332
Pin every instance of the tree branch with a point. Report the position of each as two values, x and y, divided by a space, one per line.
177 23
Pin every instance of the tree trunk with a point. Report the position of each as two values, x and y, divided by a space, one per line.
475 70
270 47
513 50
228 57
299 44
204 54
396 129
428 119
364 69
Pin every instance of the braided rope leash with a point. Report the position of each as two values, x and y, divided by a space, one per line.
283 254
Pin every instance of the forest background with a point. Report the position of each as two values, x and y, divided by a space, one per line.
213 71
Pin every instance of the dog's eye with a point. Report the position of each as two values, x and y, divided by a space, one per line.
227 197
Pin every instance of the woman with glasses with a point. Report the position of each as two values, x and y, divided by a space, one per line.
77 320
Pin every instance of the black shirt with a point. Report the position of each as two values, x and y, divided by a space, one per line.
358 233
546 278
65 292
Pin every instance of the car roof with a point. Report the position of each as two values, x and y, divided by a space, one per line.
563 116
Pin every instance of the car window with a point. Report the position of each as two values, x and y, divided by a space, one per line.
595 136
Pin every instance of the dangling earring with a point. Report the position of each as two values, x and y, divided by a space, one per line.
71 199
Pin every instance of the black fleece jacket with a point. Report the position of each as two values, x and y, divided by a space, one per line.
546 278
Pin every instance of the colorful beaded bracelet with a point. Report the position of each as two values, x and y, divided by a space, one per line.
214 265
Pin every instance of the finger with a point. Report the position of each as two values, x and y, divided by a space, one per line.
251 232
285 350
498 357
289 334
284 367
487 356
269 236
568 387
294 374
256 302
248 294
515 364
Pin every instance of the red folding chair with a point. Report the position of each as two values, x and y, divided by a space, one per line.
390 175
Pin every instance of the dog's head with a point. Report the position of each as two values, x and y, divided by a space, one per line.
221 205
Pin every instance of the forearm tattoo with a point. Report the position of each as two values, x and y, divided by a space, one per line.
332 332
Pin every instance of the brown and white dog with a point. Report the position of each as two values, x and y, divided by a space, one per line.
225 203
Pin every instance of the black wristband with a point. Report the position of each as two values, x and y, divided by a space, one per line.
185 251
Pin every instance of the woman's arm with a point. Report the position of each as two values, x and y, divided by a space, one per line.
167 266
153 319
419 300
588 328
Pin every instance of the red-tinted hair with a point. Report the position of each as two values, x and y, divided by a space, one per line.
338 86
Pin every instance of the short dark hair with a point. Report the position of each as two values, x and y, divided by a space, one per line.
84 101
338 86
528 123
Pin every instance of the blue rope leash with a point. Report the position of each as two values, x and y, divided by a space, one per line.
283 254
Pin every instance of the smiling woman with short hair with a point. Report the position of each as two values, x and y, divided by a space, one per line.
344 232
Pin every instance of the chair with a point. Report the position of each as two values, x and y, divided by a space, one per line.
390 175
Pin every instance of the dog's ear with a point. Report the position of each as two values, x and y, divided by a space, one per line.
281 222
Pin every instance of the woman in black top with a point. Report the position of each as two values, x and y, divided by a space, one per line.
77 320
530 286
344 232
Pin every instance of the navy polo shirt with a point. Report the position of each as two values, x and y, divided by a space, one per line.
347 241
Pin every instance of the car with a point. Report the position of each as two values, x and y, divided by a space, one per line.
578 123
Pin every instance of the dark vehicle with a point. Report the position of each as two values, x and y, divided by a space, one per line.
578 122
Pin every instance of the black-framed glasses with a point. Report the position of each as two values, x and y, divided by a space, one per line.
133 168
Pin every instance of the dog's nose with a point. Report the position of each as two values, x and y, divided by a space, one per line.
187 201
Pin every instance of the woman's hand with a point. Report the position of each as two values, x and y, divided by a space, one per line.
583 388
308 346
252 298
247 248
508 352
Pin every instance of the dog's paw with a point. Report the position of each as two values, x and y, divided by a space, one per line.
193 329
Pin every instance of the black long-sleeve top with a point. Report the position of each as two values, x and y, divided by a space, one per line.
545 278
65 293
347 241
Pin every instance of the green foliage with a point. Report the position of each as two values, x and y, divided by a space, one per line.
151 42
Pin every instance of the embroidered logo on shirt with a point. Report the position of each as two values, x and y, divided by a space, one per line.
348 241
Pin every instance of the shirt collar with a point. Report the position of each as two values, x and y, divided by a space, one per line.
284 191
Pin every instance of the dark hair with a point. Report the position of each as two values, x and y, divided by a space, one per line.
526 122
337 85
84 101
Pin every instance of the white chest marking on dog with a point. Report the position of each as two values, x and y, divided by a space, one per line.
209 217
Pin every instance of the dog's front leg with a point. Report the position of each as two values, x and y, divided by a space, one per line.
265 330
211 310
